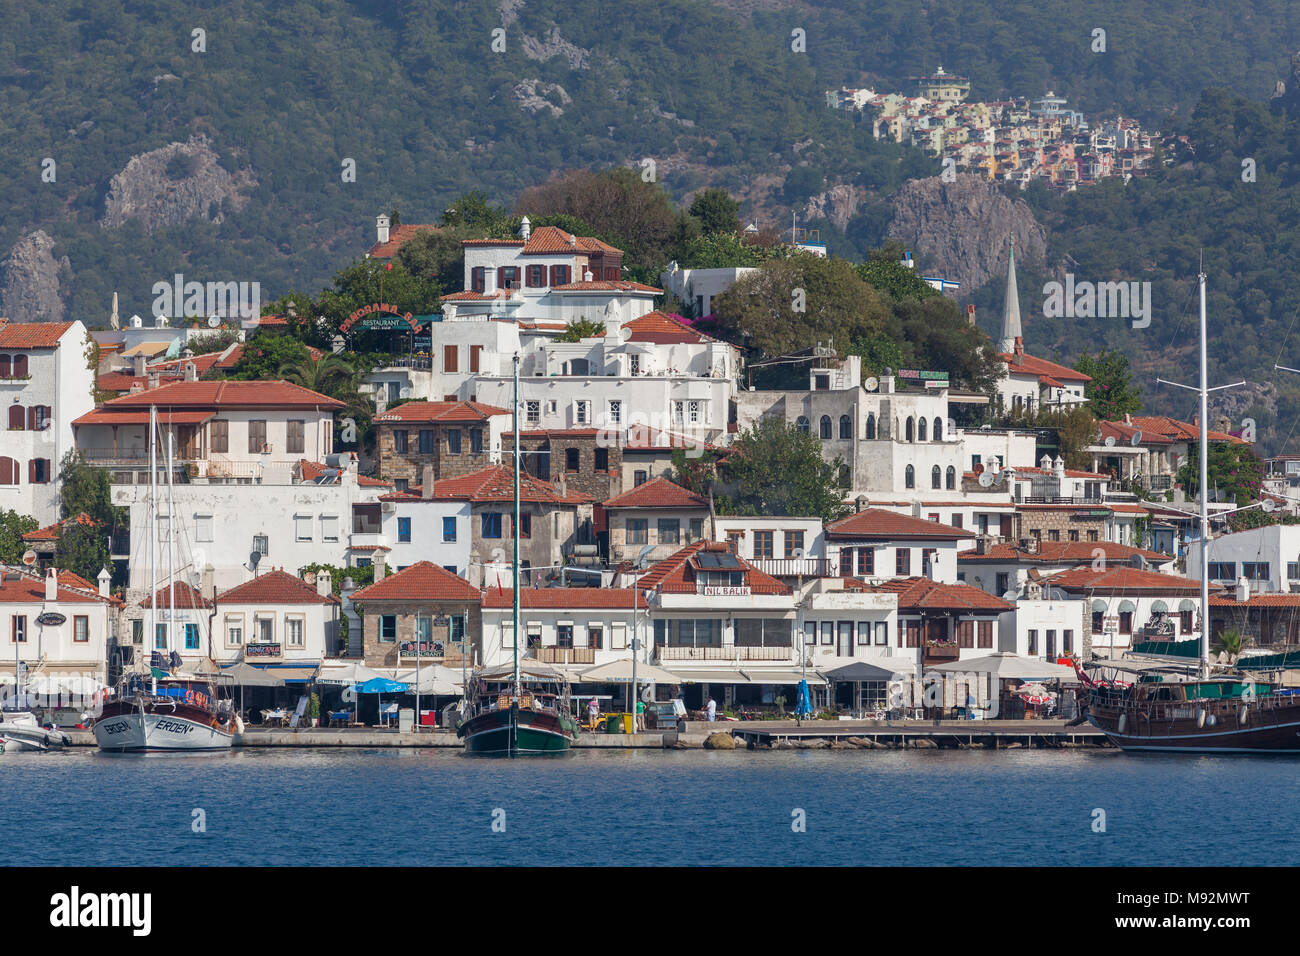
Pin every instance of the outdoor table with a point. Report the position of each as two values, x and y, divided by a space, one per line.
275 717
340 717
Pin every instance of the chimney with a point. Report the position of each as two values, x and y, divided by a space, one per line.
861 503
381 228
104 580
1058 467
139 365
324 585
153 379
379 566
191 372
1243 589
970 314
426 482
564 485
587 276
489 281
525 229
1045 463
51 585
1019 351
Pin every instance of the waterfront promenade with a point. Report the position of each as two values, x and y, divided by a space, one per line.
757 734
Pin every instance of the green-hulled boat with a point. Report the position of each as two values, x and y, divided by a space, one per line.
518 722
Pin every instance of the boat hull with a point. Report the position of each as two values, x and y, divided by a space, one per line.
187 729
515 732
21 737
1264 726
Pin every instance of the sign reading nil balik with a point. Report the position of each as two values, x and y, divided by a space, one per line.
380 315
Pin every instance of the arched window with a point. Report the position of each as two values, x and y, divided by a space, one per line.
5 366
871 426
938 429
935 477
846 428
825 427
8 471
909 476
20 366
909 432
802 424
17 417
952 478
920 429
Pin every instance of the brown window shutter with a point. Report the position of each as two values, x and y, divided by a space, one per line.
31 471
474 351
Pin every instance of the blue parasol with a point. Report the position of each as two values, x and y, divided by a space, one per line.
381 686
803 707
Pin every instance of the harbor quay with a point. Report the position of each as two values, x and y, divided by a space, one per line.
752 734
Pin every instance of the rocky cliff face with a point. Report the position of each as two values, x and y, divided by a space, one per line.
959 229
173 185
839 204
29 280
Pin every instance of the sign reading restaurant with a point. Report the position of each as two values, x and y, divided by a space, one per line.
380 315
261 650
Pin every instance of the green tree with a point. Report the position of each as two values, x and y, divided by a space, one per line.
87 489
1111 392
878 352
697 471
1236 473
12 528
580 329
436 254
716 211
775 469
720 250
83 549
791 304
895 280
475 214
265 355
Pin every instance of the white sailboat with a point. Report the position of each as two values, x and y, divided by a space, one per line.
178 712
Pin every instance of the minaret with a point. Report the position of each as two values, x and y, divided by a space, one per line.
1012 340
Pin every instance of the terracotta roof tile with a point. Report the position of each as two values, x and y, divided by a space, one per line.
186 597
879 523
274 587
1063 552
661 328
313 470
226 394
1030 365
32 335
441 412
21 586
51 532
422 581
657 493
923 593
607 285
398 236
1120 579
551 240
496 483
676 574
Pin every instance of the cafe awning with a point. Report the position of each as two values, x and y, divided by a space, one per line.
1006 666
711 677
620 672
344 673
862 671
785 677
246 675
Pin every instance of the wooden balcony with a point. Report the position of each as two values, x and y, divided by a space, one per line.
935 653
564 655
798 567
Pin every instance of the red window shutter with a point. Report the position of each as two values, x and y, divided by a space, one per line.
476 279
474 351
5 366
17 417
20 366
31 471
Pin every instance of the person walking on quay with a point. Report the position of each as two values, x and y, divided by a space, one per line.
593 712
711 709
640 716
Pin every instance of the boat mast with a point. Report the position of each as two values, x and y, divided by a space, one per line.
1205 491
152 638
171 551
515 561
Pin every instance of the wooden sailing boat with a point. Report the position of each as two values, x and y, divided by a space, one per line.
518 722
1225 714
170 713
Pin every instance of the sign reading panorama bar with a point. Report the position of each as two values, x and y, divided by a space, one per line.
710 590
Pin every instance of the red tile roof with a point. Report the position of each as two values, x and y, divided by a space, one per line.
1160 429
606 285
140 416
496 483
225 394
563 599
1063 552
661 328
676 574
551 240
1256 600
20 586
398 236
422 581
1029 365
51 532
274 587
657 493
441 412
186 597
1069 473
1121 579
879 523
922 594
31 335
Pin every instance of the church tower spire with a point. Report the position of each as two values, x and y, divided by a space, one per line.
1012 340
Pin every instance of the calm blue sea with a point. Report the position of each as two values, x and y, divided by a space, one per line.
436 807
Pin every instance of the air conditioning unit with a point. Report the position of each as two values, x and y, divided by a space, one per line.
387 507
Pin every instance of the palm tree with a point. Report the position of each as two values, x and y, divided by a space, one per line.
339 377
1230 642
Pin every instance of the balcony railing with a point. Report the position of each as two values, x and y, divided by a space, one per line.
565 655
941 652
728 653
793 567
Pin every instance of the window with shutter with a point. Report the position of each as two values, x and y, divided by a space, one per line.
477 282
17 418
20 366
450 358
6 367
8 471
474 352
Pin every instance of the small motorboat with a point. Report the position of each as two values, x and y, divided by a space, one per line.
19 731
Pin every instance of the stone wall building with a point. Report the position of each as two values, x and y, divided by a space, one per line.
455 438
422 604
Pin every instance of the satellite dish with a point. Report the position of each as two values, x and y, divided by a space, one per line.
214 321
253 558
1136 439
1010 596
798 553
1110 441
1267 505
29 557
871 384
986 479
